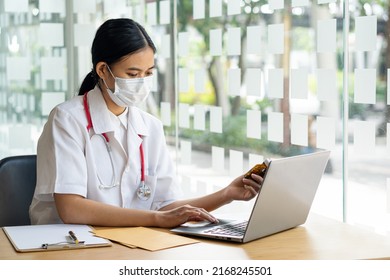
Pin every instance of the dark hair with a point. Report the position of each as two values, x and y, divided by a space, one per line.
114 39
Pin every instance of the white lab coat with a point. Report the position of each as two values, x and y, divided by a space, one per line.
68 162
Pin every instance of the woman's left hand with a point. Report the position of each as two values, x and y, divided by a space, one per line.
239 189
244 189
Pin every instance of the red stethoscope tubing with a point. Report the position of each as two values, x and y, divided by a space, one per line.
90 125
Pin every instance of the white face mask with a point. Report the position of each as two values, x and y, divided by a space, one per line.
130 92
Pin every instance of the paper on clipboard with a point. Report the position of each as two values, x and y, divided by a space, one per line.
32 237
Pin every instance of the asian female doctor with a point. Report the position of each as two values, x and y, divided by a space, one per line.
103 161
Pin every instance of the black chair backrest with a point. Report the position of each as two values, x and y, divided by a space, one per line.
17 185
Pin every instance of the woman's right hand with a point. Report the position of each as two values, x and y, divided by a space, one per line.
182 214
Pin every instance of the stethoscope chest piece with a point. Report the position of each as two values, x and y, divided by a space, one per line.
144 192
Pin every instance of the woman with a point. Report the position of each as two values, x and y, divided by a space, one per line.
102 161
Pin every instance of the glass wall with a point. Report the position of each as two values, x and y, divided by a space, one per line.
236 82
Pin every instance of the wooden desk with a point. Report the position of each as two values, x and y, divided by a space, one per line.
319 238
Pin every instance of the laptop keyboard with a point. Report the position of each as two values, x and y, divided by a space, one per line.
230 229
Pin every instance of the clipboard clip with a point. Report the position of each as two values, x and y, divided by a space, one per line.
62 245
71 242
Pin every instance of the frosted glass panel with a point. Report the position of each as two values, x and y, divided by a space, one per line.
186 184
115 6
254 44
234 7
326 133
165 49
216 42
53 68
165 12
388 138
51 34
299 129
275 83
215 8
253 82
234 41
254 159
276 4
84 6
253 124
276 38
201 188
199 9
299 3
183 41
155 84
234 81
185 152
365 86
84 34
388 196
326 1
275 127
18 68
200 80
236 163
52 6
20 136
166 113
50 100
184 116
364 138
388 88
326 84
183 80
151 13
216 119
199 117
16 6
298 84
366 33
326 35
218 158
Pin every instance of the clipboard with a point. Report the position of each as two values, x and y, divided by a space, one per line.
32 238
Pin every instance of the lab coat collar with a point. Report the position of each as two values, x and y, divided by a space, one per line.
136 130
100 114
136 121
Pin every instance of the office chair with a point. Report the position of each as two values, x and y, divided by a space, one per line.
17 185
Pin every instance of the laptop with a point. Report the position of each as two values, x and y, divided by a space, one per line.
283 202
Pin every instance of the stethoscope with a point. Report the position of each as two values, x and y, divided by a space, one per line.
143 191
